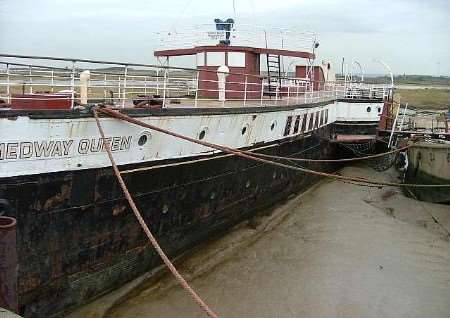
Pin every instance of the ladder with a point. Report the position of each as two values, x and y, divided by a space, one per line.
273 75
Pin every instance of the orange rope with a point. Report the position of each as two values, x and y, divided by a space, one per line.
147 231
118 115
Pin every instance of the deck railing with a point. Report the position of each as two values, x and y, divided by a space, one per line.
141 85
238 35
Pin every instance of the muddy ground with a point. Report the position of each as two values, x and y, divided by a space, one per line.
336 251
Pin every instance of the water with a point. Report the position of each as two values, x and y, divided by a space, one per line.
336 251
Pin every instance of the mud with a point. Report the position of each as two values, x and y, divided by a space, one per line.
336 251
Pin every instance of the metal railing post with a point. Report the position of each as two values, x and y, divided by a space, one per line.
277 91
104 87
288 94
53 80
164 87
306 92
403 117
145 85
157 81
31 80
119 93
262 92
245 90
8 91
72 85
393 126
125 86
196 89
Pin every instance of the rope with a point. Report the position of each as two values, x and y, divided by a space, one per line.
147 231
239 153
331 160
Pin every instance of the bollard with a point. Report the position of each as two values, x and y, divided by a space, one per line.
8 264
85 77
222 73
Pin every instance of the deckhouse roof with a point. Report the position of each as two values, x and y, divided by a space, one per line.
225 48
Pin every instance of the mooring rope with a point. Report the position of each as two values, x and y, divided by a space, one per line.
330 160
239 153
147 231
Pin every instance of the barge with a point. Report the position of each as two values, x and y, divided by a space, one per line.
429 163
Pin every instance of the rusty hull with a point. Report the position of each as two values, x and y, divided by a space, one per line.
8 264
77 238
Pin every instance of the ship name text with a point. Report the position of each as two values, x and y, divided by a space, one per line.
61 148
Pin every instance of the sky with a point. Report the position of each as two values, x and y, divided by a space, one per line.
411 36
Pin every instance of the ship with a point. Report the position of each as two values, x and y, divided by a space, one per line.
67 233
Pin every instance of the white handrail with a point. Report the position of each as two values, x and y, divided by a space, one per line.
238 35
127 84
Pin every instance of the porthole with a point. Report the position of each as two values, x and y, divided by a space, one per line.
369 109
202 133
254 117
244 130
273 125
379 109
142 140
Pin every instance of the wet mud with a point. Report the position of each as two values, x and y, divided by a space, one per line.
336 251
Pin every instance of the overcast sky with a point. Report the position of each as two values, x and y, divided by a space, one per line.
412 36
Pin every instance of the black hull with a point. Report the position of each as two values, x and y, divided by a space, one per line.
435 195
355 128
78 239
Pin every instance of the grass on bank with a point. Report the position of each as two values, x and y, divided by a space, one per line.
426 98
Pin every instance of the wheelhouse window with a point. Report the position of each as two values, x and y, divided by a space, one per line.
311 121
297 124
287 128
304 121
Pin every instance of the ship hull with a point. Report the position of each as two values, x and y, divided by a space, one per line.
429 163
78 239
436 195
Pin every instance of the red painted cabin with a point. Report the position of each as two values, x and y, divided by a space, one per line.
239 59
319 77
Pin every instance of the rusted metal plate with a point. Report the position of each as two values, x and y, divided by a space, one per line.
8 264
41 101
